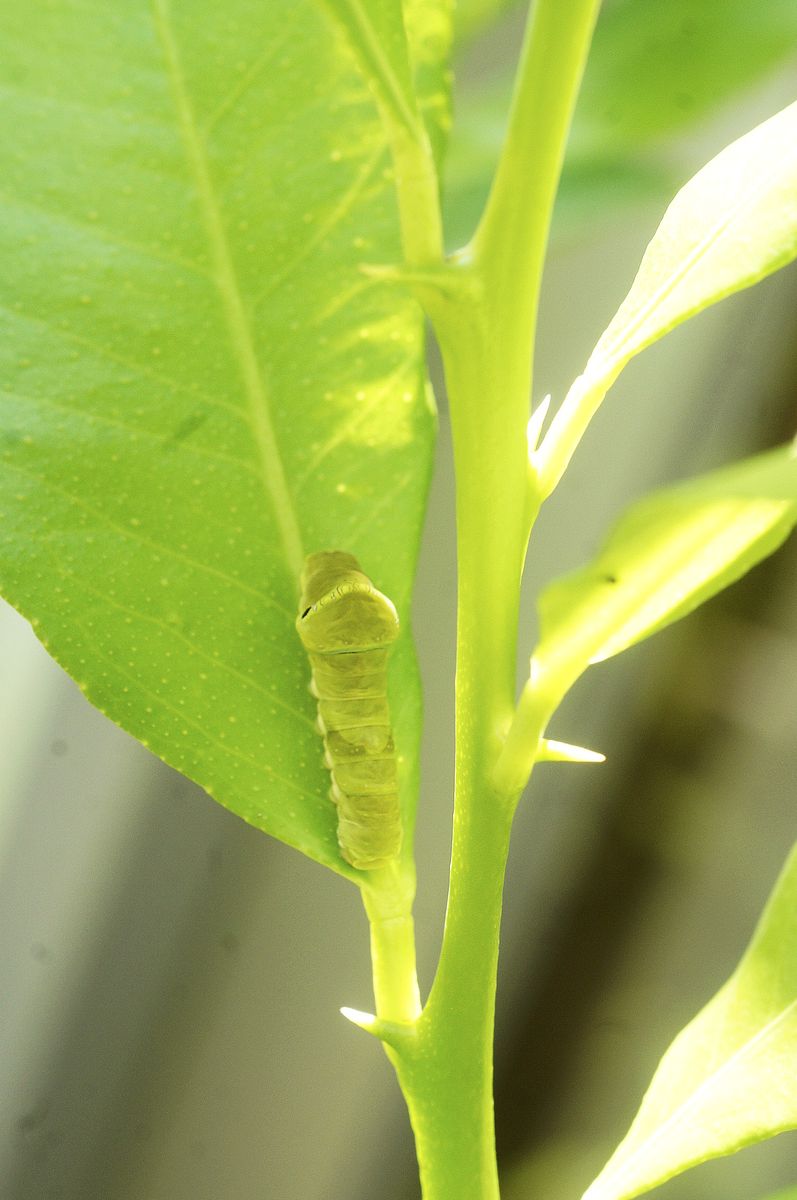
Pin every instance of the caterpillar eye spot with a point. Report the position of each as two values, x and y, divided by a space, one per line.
348 643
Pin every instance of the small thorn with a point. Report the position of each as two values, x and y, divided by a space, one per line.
364 1020
551 751
390 1032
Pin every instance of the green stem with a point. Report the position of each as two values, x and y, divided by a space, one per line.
388 897
483 306
447 1078
523 745
511 239
484 315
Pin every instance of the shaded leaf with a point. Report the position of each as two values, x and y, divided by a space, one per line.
730 1077
198 383
669 553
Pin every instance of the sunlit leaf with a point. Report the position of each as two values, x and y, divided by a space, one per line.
402 49
198 383
374 31
730 1077
732 224
669 553
430 32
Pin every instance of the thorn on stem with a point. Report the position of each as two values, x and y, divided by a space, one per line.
392 1033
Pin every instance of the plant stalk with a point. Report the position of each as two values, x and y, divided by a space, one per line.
388 898
512 236
446 1074
484 319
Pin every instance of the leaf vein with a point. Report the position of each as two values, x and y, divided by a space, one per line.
161 547
335 218
166 440
99 233
238 325
190 721
136 367
177 635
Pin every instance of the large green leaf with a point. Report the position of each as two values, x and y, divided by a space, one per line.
732 224
669 553
730 1077
198 383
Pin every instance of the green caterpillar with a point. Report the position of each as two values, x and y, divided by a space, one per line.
347 628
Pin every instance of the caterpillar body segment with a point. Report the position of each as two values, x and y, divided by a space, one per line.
347 627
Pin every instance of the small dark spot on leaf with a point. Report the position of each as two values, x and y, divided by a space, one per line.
306 611
610 579
59 748
187 427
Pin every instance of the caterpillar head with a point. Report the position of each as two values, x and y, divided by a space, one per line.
341 611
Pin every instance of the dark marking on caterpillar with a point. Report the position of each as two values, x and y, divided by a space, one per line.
347 628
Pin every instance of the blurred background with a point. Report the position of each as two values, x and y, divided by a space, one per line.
170 977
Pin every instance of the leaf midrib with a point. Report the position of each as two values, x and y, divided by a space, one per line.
238 327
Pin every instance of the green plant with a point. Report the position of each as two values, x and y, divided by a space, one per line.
213 365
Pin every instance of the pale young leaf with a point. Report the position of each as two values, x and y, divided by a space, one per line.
732 224
669 553
730 1077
